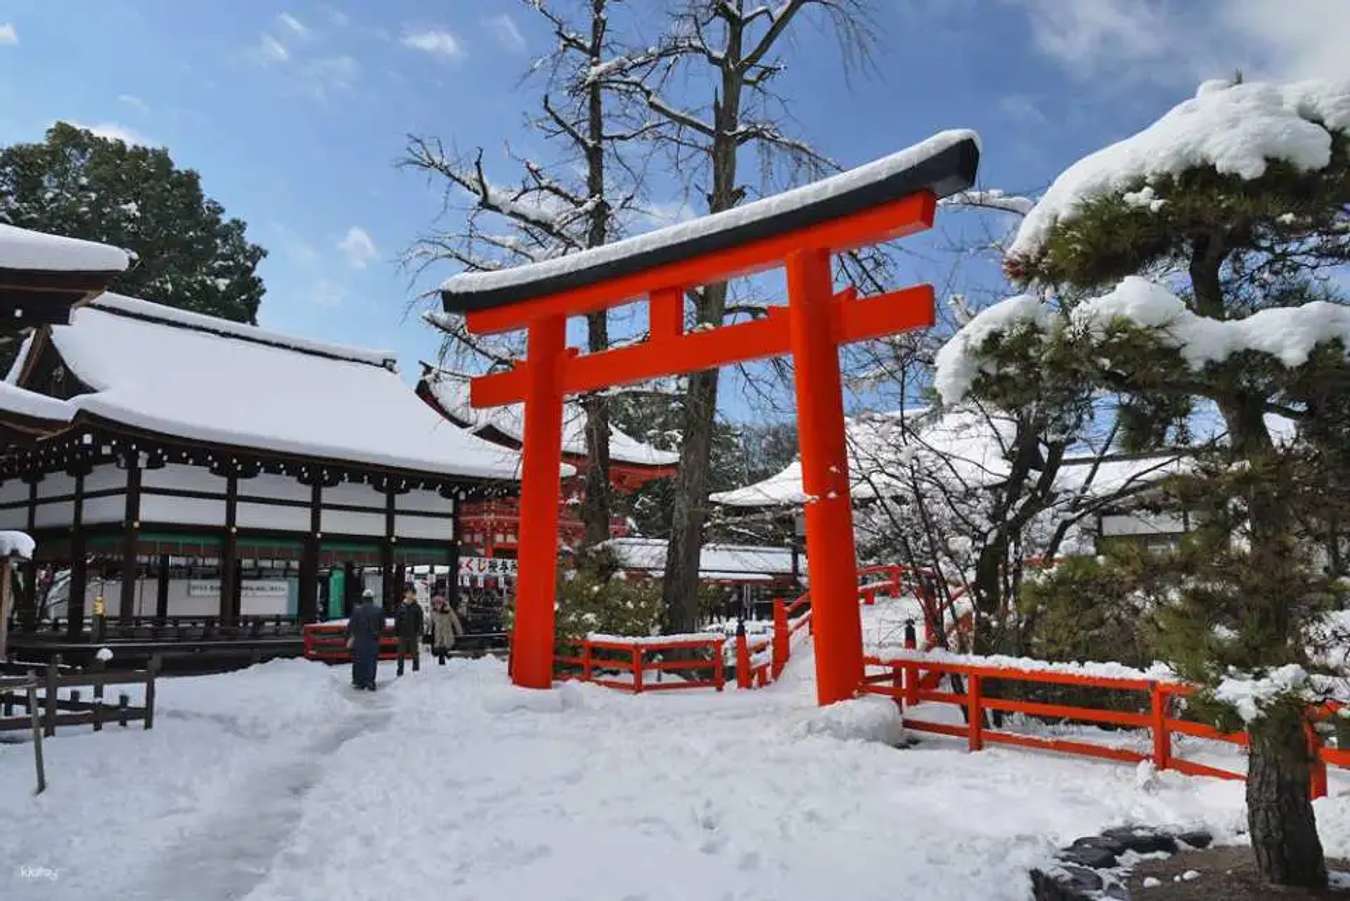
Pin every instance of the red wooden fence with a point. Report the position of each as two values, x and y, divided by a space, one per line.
328 642
904 681
605 653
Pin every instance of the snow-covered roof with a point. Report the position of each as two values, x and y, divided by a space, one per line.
205 379
1236 128
944 164
732 562
452 393
23 402
28 250
963 447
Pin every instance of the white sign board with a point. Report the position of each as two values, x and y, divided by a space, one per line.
250 589
474 570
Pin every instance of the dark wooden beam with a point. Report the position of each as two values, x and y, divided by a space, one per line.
78 565
387 551
162 589
308 606
131 526
229 551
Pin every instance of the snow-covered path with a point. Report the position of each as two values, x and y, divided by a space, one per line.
279 782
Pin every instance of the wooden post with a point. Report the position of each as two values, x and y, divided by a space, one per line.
532 642
49 727
151 672
911 670
975 712
388 591
637 669
229 553
6 574
37 735
1317 767
585 660
742 657
1162 739
162 590
719 667
78 565
782 646
131 526
122 701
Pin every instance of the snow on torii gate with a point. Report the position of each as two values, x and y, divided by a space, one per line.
799 230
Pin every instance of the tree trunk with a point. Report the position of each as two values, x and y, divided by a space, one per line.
596 502
1279 810
679 588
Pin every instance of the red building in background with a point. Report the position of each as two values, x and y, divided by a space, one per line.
491 528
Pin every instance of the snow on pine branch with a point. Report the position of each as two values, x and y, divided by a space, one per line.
1235 128
1289 334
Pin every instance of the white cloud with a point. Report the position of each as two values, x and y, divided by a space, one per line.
1160 40
7 34
270 50
435 41
295 25
328 293
358 247
114 132
1022 109
504 29
133 101
320 77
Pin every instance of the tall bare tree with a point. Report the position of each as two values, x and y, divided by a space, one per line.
733 50
580 199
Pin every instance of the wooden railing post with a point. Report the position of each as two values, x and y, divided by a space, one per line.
153 671
911 670
1317 767
975 712
49 726
1162 739
637 668
719 666
742 657
585 660
782 646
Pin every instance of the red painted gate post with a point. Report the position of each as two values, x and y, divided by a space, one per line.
742 658
540 494
1162 739
830 559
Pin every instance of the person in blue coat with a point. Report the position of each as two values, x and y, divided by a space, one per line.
363 637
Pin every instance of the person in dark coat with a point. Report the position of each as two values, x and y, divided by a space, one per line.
363 637
408 624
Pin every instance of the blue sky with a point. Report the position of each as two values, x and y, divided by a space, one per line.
294 111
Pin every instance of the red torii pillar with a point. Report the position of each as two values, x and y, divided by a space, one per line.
815 322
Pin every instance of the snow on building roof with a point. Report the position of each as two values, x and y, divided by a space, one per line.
1236 128
738 562
33 405
205 379
452 393
28 250
963 447
944 164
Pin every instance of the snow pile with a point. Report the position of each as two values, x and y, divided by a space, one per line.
1103 669
870 718
1250 695
1236 128
104 655
1287 333
959 361
16 544
21 248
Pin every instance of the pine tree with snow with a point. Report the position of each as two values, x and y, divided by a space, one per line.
78 184
1190 267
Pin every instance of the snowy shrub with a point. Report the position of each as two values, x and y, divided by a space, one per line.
861 719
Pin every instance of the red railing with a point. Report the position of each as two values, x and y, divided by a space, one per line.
328 642
604 653
905 681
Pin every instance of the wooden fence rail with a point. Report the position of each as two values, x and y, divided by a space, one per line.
904 679
594 656
75 709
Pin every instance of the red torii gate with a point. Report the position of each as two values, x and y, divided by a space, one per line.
799 230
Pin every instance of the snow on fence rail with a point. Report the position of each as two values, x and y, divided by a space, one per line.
596 656
969 675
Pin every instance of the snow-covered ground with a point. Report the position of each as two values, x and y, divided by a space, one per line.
281 782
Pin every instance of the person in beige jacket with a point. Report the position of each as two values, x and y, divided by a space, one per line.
445 625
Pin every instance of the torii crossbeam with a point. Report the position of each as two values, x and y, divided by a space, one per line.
798 230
